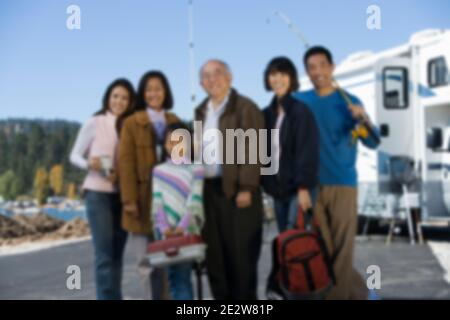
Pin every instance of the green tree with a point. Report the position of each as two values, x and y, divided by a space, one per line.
16 188
3 148
6 185
27 145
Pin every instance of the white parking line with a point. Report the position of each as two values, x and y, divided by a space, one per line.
441 251
28 247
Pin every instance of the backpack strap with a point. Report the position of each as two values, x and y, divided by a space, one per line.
272 279
305 219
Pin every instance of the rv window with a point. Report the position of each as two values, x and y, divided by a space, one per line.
395 88
438 74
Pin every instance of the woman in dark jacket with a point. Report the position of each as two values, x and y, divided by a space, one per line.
295 150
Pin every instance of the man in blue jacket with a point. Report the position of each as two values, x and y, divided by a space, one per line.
336 207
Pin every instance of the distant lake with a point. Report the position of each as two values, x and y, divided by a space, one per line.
65 215
4 212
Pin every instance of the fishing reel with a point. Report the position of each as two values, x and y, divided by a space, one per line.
361 131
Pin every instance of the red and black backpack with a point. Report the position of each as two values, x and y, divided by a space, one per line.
301 266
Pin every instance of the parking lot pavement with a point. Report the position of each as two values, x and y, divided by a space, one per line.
407 272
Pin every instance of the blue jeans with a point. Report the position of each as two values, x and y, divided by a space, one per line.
180 281
104 216
286 213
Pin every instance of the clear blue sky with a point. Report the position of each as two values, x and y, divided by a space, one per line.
48 71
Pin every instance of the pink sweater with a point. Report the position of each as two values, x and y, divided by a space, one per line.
96 138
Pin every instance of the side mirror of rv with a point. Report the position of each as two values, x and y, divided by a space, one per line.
434 138
384 130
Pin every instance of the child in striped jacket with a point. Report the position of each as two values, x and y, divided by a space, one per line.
177 205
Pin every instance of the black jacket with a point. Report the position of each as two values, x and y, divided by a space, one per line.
299 141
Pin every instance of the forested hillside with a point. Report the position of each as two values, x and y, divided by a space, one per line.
34 158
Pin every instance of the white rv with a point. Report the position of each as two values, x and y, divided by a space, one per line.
406 92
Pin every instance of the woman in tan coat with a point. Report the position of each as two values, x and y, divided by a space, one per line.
141 145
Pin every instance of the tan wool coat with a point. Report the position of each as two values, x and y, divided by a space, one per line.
137 157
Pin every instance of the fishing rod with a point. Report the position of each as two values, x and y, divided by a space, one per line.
364 127
292 27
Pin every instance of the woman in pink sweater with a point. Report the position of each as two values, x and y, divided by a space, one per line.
95 150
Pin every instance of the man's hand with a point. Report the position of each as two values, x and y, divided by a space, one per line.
243 199
357 112
95 164
304 200
132 210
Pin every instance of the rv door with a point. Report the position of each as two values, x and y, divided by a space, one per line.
395 115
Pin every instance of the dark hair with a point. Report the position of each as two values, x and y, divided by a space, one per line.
122 82
283 65
175 126
171 128
317 50
140 99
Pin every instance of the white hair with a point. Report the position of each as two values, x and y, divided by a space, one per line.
222 63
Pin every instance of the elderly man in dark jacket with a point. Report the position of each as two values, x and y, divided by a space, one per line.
232 197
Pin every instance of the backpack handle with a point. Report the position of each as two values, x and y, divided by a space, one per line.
304 219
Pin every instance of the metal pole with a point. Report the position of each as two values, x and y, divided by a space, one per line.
191 52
